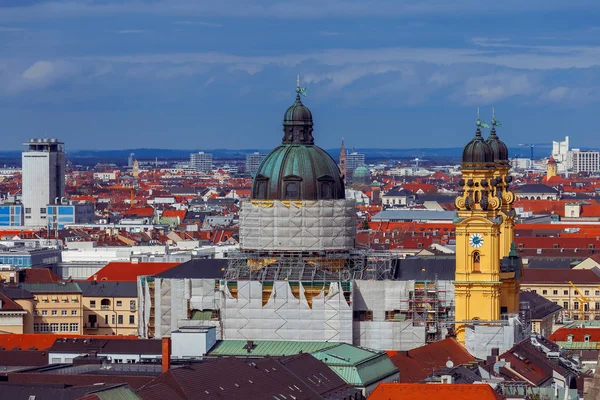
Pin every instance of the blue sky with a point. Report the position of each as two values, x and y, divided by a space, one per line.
208 74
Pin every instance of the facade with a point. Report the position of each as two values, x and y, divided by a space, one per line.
353 161
110 308
253 161
12 316
24 257
57 307
61 215
201 162
585 161
397 197
485 288
43 178
536 192
11 215
562 155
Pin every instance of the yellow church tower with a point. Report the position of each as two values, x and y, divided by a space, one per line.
481 293
551 169
509 291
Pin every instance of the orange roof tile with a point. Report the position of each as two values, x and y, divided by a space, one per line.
417 391
129 271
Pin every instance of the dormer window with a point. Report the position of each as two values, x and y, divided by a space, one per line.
570 338
586 338
291 187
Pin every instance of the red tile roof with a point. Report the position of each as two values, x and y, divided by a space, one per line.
417 391
415 365
129 271
40 275
42 341
174 214
561 334
140 212
553 275
8 304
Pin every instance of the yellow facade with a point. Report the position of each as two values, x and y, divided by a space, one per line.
563 294
58 313
110 316
551 169
484 234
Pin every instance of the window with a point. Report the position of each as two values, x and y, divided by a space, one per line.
363 315
291 191
132 319
555 292
105 304
63 312
54 300
566 292
74 300
132 304
576 305
44 312
27 210
597 293
261 190
64 300
326 191
566 305
544 292
64 327
54 327
92 303
476 262
569 338
43 327
106 320
54 312
533 291
36 327
576 317
119 303
74 327
43 210
73 312
113 319
120 320
587 292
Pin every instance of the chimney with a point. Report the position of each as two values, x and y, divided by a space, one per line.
166 354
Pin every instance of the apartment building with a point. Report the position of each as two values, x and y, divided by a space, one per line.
576 291
57 307
110 308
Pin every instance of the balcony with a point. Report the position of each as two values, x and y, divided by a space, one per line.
104 307
132 308
91 325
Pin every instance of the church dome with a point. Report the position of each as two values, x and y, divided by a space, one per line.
499 149
298 169
477 153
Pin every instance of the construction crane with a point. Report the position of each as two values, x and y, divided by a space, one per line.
582 299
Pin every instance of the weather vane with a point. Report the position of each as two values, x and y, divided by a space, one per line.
479 122
495 122
300 90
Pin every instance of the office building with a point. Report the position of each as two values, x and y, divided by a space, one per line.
11 215
353 161
43 178
253 161
201 162
561 153
61 215
585 161
130 160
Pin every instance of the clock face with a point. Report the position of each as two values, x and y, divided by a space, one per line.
476 240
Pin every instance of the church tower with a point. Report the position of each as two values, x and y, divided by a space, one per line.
509 293
478 226
343 160
551 169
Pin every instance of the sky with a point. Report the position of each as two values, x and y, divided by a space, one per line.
189 74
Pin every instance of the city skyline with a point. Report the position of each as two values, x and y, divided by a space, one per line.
385 75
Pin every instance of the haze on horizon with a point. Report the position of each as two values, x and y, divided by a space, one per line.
220 74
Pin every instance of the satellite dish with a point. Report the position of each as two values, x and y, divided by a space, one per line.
449 364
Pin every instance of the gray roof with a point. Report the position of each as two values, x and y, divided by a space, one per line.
426 269
15 292
535 188
540 306
201 268
108 289
414 215
56 287
398 192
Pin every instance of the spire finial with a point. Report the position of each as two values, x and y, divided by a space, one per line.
492 114
300 90
479 122
495 122
477 113
298 81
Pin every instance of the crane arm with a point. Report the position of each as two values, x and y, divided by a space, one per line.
581 296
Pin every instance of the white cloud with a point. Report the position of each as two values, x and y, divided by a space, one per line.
39 70
495 87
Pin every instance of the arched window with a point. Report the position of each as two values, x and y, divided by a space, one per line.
476 262
326 191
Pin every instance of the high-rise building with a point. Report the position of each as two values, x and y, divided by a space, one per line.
43 178
353 161
253 161
585 160
130 160
201 162
561 154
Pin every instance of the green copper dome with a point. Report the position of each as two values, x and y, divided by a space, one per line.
477 153
298 170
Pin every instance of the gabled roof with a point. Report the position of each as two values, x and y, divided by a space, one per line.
108 289
8 304
539 306
198 268
410 391
415 365
559 276
535 188
577 335
129 271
